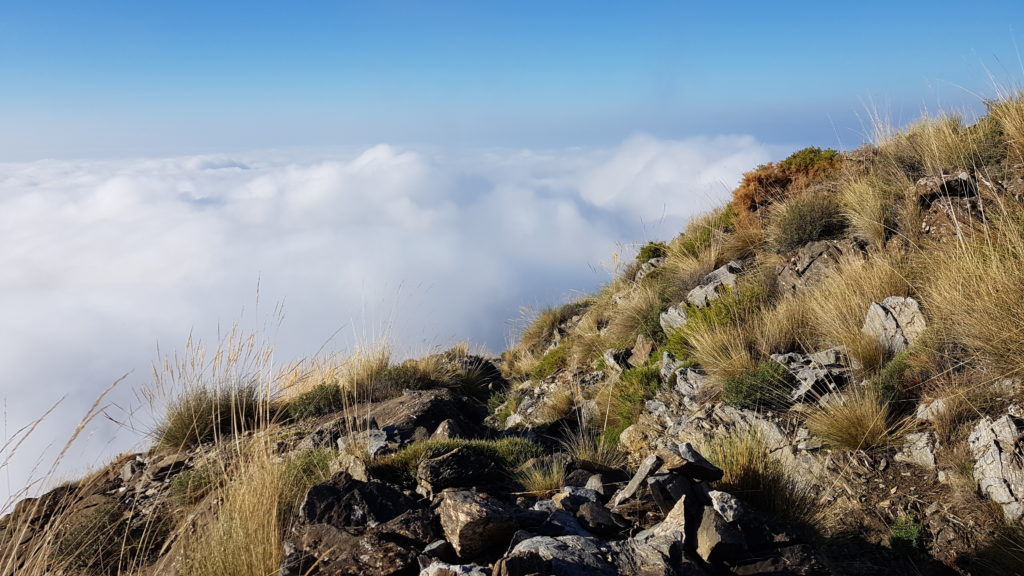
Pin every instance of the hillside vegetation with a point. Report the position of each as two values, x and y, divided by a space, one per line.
823 376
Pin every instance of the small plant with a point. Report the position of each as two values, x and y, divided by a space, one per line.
766 386
586 445
324 398
905 534
889 382
400 467
202 414
552 362
700 233
627 396
538 333
190 486
856 421
100 541
812 160
650 251
542 477
806 218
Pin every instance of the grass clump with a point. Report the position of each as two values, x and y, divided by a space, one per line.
767 385
906 534
756 477
857 420
650 251
203 414
556 359
324 398
806 218
587 446
400 467
625 399
190 486
888 385
700 234
102 540
302 470
536 336
541 476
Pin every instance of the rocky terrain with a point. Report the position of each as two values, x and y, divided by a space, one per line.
822 377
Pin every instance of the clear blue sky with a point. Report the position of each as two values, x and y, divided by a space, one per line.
106 78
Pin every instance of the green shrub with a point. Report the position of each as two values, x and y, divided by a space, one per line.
768 386
324 398
889 382
202 414
810 160
905 534
650 251
504 404
190 486
302 470
552 362
806 218
699 234
628 395
400 467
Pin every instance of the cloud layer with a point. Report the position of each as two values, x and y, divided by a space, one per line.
102 260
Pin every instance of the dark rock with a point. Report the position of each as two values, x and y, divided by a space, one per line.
685 460
617 359
717 540
422 411
561 556
571 498
578 477
460 468
666 488
817 374
599 520
344 501
474 523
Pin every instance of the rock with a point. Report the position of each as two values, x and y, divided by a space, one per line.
387 549
814 261
447 430
668 368
649 466
728 506
437 568
647 267
817 374
368 442
344 502
131 468
598 519
425 410
578 478
667 489
998 461
681 522
475 523
571 498
895 322
918 449
673 319
930 410
599 484
353 465
660 556
616 359
641 352
717 540
932 188
690 382
684 459
460 468
714 284
560 556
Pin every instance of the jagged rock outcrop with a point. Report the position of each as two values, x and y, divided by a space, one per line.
818 374
895 323
814 261
999 462
714 284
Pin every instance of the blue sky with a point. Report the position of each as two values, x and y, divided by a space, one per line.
123 78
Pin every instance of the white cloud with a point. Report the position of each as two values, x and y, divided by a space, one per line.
102 260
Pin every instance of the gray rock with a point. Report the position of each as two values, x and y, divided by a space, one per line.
932 188
570 498
459 468
673 319
599 484
931 409
649 466
447 430
558 556
714 284
918 449
684 459
718 540
438 568
371 442
814 261
474 523
998 462
598 519
345 502
817 374
642 349
658 556
647 267
616 359
667 488
728 506
895 323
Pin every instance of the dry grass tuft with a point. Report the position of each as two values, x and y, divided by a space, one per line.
542 477
588 445
857 420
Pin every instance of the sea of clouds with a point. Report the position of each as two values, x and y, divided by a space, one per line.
101 261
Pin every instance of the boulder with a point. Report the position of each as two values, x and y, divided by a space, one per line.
667 488
558 556
998 459
918 449
459 468
447 430
344 502
728 506
814 261
422 411
475 524
649 466
598 519
673 319
717 539
895 323
714 284
571 498
616 359
817 374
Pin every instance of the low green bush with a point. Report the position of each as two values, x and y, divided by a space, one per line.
888 384
650 251
634 388
812 159
806 218
324 398
906 534
767 385
556 359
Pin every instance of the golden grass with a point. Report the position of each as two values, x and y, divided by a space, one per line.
541 477
557 405
857 420
784 328
638 313
1008 111
976 293
758 478
869 204
586 444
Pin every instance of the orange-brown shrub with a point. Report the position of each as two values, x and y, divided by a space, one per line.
773 182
